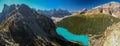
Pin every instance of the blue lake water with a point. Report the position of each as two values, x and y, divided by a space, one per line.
69 36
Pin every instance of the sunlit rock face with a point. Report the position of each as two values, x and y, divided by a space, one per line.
112 35
111 8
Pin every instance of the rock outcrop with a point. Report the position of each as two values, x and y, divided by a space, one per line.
83 11
25 27
112 35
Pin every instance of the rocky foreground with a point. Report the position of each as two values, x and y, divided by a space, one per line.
111 37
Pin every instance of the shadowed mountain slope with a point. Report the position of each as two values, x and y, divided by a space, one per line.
25 27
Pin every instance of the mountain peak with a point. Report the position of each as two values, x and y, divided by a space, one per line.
5 5
23 9
23 26
24 5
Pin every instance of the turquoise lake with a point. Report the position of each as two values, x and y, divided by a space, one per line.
69 36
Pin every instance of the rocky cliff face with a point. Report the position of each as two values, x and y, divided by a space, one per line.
25 27
112 8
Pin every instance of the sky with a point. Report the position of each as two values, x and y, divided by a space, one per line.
70 5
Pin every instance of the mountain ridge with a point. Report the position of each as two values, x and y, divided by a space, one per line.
111 8
26 27
55 13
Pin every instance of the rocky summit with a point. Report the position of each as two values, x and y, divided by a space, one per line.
6 10
25 27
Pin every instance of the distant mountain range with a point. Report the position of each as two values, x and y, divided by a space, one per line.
55 13
49 13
